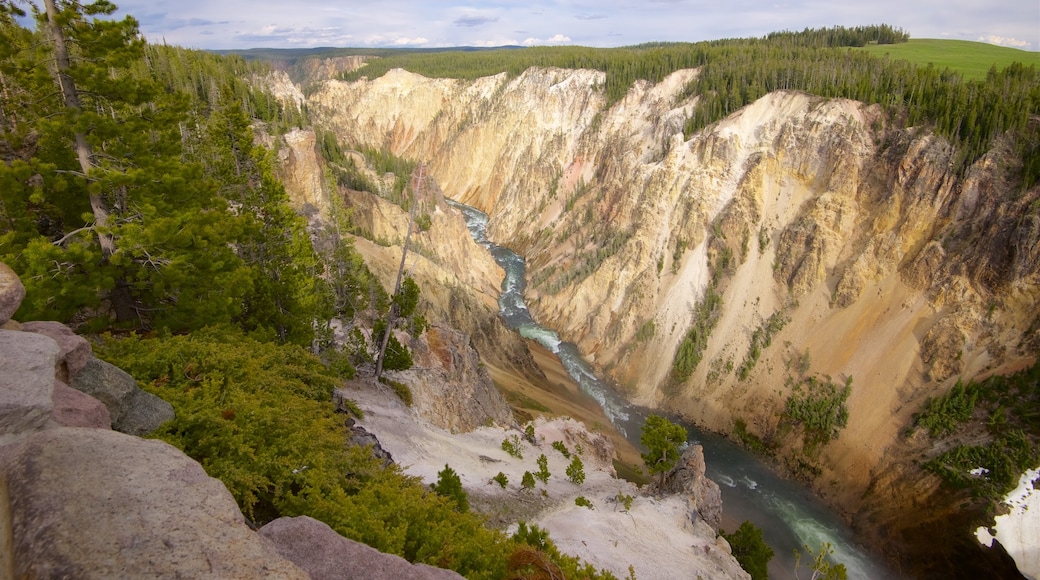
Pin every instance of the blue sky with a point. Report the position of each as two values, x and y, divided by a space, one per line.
214 24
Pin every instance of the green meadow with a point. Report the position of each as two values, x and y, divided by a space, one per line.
971 59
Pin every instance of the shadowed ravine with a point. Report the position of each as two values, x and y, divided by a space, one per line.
790 517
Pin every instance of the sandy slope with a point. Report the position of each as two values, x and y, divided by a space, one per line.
655 537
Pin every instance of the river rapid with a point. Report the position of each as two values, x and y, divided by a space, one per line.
788 514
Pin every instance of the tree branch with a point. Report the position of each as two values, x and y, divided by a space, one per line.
66 237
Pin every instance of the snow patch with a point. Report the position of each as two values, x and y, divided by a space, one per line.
1019 530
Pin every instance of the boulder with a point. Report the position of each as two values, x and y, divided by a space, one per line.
26 381
133 411
326 555
687 478
93 503
11 292
75 409
75 350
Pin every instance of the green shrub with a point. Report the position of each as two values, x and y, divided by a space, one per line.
750 550
691 349
559 446
625 500
400 389
513 446
449 485
818 405
501 479
582 501
943 414
544 560
576 471
543 469
259 417
528 481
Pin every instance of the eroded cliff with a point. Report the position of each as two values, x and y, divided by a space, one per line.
836 245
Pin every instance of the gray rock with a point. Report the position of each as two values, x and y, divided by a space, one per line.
75 350
326 555
12 292
362 438
704 495
97 504
133 411
75 409
450 386
26 381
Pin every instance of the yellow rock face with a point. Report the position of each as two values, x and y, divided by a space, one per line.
887 267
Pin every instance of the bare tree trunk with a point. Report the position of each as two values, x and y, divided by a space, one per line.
83 149
391 317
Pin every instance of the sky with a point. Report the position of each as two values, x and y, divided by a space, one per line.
228 24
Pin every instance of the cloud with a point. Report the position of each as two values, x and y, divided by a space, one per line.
1002 41
418 41
591 16
472 21
559 38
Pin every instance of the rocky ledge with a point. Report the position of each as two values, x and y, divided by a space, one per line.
81 500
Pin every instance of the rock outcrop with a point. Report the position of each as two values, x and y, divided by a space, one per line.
301 172
326 555
94 503
26 382
687 479
75 409
12 291
74 350
133 411
450 386
78 500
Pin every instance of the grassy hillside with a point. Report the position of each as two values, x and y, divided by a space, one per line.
971 59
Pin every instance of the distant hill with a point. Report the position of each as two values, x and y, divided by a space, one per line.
971 59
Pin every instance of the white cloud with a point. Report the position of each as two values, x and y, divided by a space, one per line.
1002 41
418 41
558 39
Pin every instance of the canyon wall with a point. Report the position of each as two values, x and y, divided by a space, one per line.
830 243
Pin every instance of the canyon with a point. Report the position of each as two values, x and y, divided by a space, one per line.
846 239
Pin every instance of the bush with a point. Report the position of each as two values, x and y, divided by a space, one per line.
750 550
691 349
259 417
400 389
528 481
582 501
576 471
542 559
449 485
943 414
543 469
818 405
625 500
513 446
559 446
501 479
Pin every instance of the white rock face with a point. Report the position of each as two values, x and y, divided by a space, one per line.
656 536
1019 530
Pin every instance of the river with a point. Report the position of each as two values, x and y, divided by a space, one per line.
788 514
